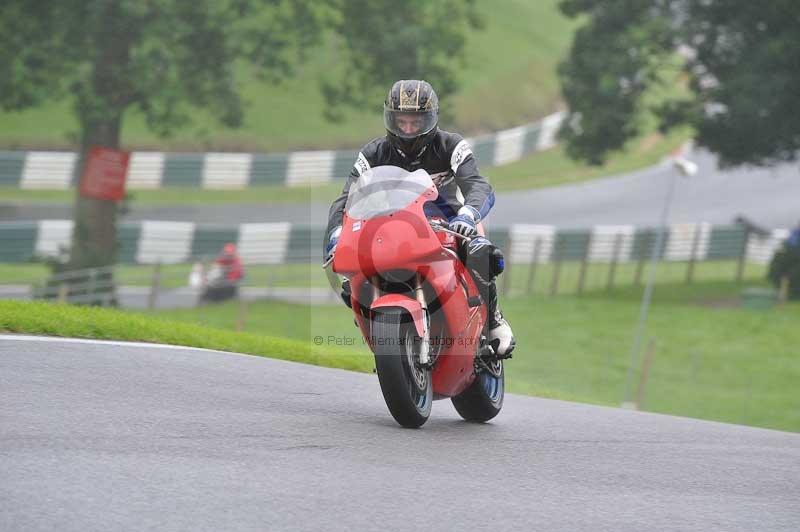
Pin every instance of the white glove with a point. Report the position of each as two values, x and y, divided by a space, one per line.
465 222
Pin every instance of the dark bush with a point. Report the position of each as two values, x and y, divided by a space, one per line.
786 263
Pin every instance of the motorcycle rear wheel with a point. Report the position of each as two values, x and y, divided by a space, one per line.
407 388
483 400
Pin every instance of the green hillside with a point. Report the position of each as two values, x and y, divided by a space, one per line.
509 80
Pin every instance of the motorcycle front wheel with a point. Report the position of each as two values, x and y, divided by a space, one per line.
407 388
483 400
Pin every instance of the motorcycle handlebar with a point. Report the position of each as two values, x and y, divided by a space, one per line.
437 226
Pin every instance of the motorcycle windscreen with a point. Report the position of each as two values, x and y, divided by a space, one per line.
384 190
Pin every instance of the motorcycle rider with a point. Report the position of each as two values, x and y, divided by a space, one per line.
413 141
231 272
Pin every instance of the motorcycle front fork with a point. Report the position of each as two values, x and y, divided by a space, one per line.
425 345
486 359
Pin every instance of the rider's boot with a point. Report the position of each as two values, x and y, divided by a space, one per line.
346 293
498 331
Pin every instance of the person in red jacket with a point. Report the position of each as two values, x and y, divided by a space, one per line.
229 262
225 275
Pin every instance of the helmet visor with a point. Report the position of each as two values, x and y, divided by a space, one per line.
409 124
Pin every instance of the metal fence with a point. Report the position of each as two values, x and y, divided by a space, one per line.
153 170
93 286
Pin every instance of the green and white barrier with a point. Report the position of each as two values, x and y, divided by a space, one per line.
150 242
56 170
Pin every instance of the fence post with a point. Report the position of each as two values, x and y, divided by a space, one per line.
242 318
693 254
154 286
648 362
582 273
556 266
270 279
642 256
783 291
63 290
742 256
612 268
91 290
534 263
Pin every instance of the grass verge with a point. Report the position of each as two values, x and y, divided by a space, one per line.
107 324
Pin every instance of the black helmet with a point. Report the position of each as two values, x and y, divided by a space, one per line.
410 114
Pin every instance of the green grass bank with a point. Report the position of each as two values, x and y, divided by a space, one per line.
108 324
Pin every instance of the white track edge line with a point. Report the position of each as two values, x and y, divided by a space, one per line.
52 339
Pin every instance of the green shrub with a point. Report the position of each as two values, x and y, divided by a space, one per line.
786 263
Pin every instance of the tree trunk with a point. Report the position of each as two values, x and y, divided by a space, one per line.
94 236
101 100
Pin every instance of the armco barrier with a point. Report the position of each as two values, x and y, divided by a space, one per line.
153 170
153 242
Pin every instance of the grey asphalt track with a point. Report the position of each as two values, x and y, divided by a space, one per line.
109 437
769 197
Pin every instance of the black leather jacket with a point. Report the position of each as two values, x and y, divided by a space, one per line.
449 160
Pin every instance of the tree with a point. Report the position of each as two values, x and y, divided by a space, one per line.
382 43
169 57
162 56
739 60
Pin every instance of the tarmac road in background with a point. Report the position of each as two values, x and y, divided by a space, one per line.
768 197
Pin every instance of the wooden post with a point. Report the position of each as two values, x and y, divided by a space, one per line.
200 279
582 273
241 320
783 292
612 268
63 290
534 263
91 289
742 257
648 362
556 267
270 278
693 255
155 283
642 258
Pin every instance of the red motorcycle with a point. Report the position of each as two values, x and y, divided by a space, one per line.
414 300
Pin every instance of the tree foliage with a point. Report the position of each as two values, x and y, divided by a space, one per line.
382 41
739 60
168 58
162 56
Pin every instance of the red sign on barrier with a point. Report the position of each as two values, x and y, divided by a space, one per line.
104 174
